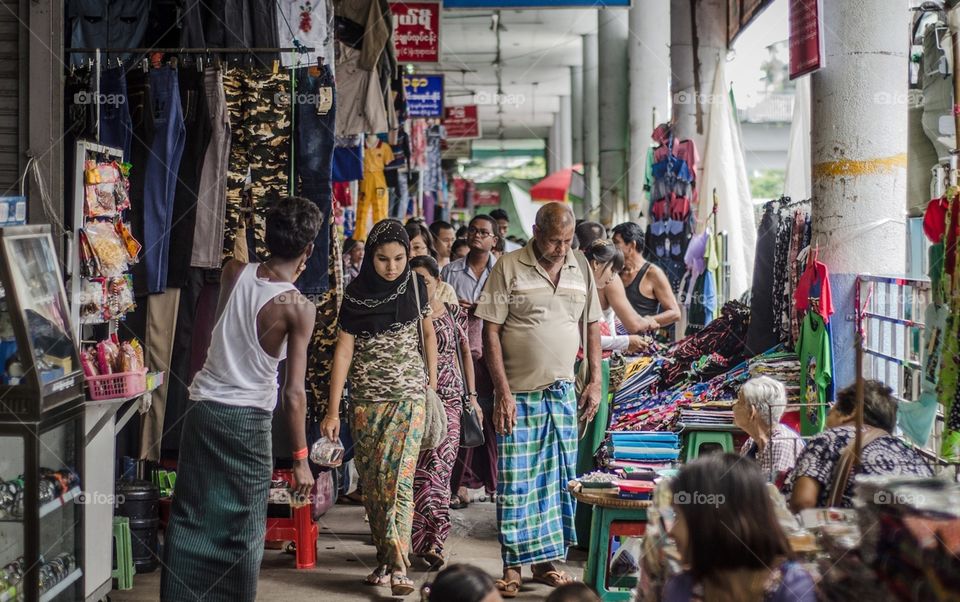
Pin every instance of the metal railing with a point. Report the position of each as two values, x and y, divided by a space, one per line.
890 313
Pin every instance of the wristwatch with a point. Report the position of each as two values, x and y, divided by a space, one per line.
472 394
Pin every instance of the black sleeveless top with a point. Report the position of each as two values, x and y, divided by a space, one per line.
643 305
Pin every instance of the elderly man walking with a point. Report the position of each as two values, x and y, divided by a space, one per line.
532 306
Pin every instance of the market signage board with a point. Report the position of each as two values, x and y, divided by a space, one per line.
424 95
486 198
462 122
740 13
806 37
495 4
416 31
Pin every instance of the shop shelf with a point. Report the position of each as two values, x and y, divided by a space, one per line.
47 508
61 501
59 588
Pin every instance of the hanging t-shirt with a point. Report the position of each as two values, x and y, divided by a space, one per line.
310 24
815 373
916 418
814 284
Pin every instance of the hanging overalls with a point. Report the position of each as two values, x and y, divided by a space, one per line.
373 188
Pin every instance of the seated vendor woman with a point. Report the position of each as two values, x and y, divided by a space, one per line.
813 479
644 285
729 538
757 412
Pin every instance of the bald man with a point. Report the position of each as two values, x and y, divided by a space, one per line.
532 305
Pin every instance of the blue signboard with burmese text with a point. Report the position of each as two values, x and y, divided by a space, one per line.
495 4
424 95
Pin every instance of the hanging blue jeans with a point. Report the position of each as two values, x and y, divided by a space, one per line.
116 129
315 123
163 163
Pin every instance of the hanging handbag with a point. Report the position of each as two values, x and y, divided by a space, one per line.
471 430
435 423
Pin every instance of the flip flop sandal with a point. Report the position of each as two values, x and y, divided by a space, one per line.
379 577
434 558
553 578
456 503
401 585
290 548
508 589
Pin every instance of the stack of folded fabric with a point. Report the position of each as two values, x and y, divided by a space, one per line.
645 447
711 413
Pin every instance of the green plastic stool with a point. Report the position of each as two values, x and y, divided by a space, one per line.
586 448
123 553
697 439
629 522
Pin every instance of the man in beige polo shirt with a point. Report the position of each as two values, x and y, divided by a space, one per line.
532 305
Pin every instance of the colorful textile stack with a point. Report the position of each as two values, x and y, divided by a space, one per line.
724 336
711 413
645 446
783 366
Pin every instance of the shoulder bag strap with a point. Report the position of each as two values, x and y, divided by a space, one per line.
456 343
585 268
423 346
844 468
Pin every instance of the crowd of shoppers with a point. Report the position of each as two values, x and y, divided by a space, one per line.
493 327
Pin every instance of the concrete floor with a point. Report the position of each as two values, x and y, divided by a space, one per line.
345 555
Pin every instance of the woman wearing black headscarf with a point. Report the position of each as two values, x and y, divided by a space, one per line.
379 348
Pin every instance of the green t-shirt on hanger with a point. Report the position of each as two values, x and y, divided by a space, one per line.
814 351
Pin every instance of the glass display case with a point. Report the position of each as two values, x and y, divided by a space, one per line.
41 426
41 509
40 372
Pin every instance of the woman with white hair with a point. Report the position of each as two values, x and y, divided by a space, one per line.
758 410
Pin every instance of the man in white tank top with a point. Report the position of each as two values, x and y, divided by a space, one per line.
214 542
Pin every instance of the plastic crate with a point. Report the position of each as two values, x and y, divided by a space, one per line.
112 386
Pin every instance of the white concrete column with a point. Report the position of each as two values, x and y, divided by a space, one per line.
553 158
694 72
859 154
565 133
613 32
591 125
576 114
649 57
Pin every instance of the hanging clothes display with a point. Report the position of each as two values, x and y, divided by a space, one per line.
672 166
815 373
373 188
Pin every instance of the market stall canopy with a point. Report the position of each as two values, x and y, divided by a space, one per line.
559 184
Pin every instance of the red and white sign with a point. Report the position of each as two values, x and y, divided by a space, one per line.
462 122
806 37
486 198
416 31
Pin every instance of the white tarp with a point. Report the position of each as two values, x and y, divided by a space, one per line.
725 170
526 208
796 182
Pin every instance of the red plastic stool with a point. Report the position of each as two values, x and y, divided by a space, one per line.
300 528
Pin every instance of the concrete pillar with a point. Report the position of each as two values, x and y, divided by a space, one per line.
694 72
591 124
553 158
613 32
649 56
859 156
576 114
565 133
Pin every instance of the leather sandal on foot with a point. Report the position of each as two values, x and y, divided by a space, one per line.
508 589
381 576
434 558
552 578
400 584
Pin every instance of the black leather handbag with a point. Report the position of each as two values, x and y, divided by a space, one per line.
471 429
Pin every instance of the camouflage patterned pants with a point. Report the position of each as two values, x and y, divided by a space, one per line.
324 341
259 104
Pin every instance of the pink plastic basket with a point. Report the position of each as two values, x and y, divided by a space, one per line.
112 386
